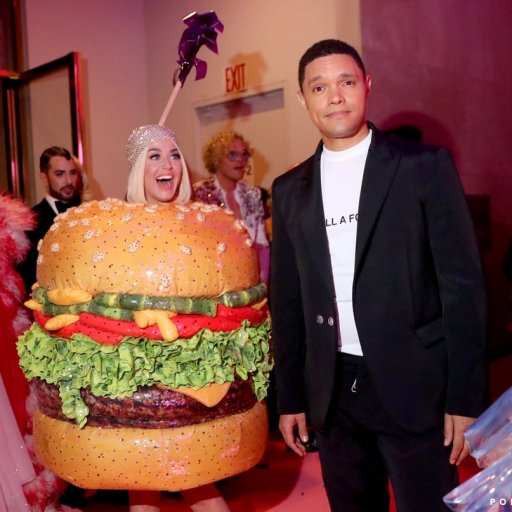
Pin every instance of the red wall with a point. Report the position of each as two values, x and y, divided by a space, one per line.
445 66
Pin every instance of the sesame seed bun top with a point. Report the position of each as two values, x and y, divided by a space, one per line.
188 250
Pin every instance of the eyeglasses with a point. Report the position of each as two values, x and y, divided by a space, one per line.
233 156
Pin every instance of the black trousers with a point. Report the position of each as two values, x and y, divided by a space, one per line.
362 447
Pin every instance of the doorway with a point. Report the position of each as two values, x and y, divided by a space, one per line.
41 107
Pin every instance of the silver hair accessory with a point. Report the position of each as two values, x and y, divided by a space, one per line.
144 136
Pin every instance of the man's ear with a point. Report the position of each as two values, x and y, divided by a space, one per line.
300 97
44 179
368 84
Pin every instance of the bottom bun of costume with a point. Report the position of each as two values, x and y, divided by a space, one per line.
169 459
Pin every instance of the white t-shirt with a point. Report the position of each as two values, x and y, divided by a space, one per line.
342 176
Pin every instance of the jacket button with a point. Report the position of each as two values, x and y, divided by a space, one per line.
330 321
319 319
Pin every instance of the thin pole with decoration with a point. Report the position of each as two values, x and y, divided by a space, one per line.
201 30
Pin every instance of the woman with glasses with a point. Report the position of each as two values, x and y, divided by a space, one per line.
226 156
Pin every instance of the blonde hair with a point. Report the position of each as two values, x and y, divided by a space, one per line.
135 190
216 148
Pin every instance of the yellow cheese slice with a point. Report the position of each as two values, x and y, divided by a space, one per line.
60 321
167 327
210 395
258 305
68 296
34 305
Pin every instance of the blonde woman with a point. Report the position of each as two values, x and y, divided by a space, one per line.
158 174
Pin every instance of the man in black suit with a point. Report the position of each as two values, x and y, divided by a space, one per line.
378 301
63 180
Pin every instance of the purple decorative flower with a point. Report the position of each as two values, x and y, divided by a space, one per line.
202 30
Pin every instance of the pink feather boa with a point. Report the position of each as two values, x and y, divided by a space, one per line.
42 493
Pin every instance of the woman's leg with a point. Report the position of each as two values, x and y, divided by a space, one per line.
144 501
206 498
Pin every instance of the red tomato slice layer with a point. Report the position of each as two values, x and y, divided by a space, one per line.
109 331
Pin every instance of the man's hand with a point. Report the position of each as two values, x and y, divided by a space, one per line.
291 426
454 428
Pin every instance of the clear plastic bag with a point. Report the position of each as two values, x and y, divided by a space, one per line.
490 437
489 490
490 440
495 447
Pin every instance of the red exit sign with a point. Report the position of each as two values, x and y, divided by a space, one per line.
235 78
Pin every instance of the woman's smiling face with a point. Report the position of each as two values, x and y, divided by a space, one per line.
163 171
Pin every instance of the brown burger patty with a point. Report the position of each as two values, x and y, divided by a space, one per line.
148 407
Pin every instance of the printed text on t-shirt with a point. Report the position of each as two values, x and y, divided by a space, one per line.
344 219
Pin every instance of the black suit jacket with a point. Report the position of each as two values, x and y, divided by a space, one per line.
44 219
418 293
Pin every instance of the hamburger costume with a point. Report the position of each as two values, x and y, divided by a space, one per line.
150 351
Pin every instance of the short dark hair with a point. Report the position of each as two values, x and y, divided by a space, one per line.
325 48
49 153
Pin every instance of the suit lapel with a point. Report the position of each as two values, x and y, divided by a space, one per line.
379 172
48 210
309 195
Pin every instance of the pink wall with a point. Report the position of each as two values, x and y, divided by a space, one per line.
445 67
110 37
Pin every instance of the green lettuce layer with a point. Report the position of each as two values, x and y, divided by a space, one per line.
115 371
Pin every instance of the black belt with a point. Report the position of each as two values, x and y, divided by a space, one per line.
352 367
350 359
